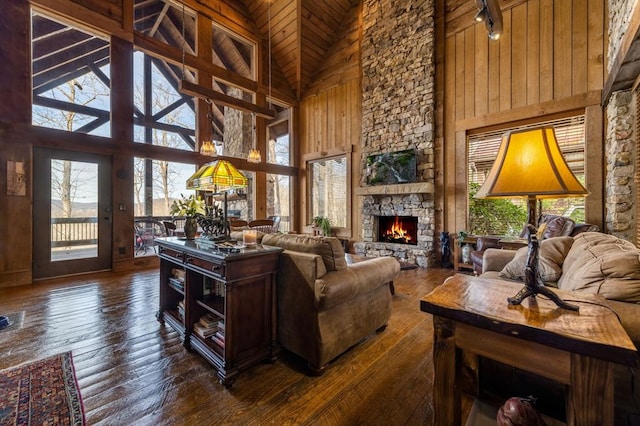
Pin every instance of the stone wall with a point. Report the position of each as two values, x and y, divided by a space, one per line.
398 79
619 14
620 153
398 111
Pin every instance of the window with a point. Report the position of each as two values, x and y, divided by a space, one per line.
233 52
157 184
71 84
328 190
162 115
166 21
507 217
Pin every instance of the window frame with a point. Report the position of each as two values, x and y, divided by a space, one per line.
345 153
563 121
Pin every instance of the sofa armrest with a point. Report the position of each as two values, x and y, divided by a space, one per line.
307 267
496 259
337 287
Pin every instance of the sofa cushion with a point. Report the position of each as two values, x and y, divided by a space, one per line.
603 264
551 255
329 248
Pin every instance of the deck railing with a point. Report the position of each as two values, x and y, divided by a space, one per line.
74 231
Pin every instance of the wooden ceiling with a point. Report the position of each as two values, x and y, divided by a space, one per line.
302 31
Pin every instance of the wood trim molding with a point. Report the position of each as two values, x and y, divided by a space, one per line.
570 103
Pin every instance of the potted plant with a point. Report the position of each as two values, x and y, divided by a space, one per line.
189 208
323 223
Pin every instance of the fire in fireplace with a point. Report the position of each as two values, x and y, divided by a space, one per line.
398 229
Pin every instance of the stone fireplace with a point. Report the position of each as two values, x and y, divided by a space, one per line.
378 208
398 114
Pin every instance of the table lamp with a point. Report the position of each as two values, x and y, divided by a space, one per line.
530 164
218 176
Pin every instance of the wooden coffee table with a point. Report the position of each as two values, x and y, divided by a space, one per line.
577 349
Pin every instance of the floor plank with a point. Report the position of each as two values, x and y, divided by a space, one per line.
133 370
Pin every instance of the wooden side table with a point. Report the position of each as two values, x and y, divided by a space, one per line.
458 264
576 349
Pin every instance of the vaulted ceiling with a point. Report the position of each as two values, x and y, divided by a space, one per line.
302 31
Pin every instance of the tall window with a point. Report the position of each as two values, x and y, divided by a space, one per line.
507 217
165 182
162 115
71 83
328 189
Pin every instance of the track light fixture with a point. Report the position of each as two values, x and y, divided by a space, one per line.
481 15
489 13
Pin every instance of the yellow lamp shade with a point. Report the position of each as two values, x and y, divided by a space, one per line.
530 164
219 175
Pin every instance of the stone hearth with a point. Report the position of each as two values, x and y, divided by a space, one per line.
420 205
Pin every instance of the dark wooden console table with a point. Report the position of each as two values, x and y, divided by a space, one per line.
232 293
576 349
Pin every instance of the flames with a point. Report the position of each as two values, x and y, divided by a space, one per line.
396 233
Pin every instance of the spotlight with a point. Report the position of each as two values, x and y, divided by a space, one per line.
481 15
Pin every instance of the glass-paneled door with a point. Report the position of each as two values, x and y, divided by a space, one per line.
72 216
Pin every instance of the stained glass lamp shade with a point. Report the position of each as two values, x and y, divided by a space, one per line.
217 176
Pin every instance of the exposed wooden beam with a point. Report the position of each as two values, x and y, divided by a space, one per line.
192 89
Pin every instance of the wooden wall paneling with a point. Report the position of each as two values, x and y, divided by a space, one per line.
579 62
596 51
459 106
469 77
547 82
440 91
533 52
480 73
505 62
447 172
122 162
109 8
595 165
127 15
562 49
15 86
461 181
519 56
493 93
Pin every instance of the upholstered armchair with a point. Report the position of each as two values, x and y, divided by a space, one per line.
482 243
324 305
550 225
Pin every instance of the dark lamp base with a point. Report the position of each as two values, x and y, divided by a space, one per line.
533 284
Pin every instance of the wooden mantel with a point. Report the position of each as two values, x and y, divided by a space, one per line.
397 189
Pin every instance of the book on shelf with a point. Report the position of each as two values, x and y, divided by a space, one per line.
204 332
181 309
208 320
178 273
177 283
218 340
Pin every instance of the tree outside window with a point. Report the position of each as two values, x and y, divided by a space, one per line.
328 189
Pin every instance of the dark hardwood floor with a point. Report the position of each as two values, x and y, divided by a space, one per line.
132 370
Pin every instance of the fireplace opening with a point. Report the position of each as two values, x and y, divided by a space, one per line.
398 229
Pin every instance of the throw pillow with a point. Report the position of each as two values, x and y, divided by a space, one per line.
603 264
550 257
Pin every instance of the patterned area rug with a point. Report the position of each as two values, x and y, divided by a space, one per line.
44 392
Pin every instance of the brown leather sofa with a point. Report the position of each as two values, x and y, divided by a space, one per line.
324 305
554 226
